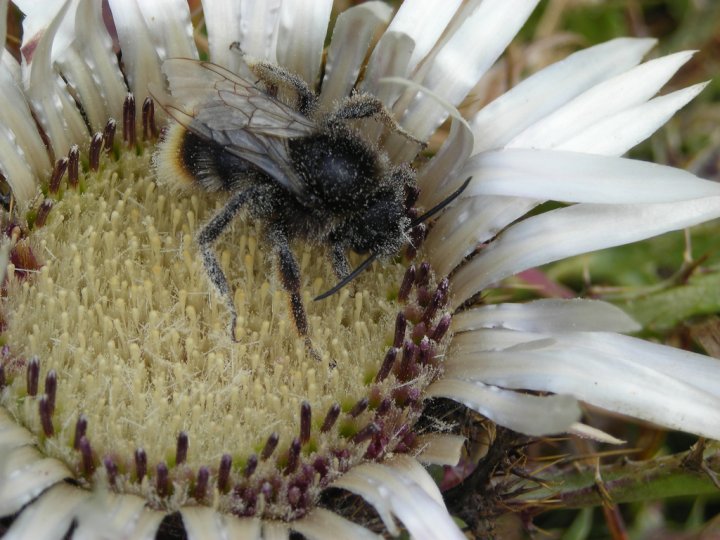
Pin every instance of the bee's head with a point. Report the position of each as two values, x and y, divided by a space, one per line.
379 228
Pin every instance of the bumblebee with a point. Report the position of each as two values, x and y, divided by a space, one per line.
301 172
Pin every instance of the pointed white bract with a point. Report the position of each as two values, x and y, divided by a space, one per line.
275 530
106 515
82 52
48 96
574 230
550 89
403 489
303 25
456 65
90 67
532 415
147 37
204 522
22 148
619 132
440 449
322 524
423 21
24 472
351 38
547 315
579 177
605 99
614 372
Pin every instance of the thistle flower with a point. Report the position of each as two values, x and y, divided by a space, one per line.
125 403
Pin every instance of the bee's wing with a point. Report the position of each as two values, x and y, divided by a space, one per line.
228 109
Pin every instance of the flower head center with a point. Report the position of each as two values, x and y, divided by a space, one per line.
148 382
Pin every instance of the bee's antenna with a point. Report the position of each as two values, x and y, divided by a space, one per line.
347 279
417 221
439 206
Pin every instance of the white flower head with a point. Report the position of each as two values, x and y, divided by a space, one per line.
124 401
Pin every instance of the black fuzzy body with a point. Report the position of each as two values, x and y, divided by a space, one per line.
259 136
345 203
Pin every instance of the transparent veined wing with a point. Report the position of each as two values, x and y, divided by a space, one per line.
230 110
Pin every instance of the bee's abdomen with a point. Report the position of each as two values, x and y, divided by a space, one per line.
214 168
185 159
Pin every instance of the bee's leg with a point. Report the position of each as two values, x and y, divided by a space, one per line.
207 236
368 106
339 260
276 77
290 277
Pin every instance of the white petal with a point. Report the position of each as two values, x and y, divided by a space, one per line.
252 24
532 415
406 490
546 91
423 21
201 522
16 118
8 65
148 33
90 66
49 98
14 167
303 25
249 528
108 516
413 471
575 177
570 231
588 432
321 524
500 340
617 134
170 28
601 101
594 369
352 34
389 59
11 67
39 15
49 517
148 524
356 482
539 175
275 530
695 369
456 67
204 522
222 20
258 28
435 179
469 222
24 474
547 315
82 48
440 448
12 434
